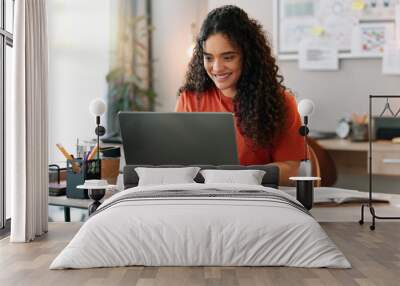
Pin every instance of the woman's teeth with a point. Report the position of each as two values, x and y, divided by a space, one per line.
222 76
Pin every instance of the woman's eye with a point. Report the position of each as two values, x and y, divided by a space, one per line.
208 58
229 58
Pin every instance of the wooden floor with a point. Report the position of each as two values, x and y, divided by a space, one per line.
352 212
374 255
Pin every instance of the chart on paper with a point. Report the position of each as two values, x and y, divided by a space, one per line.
359 28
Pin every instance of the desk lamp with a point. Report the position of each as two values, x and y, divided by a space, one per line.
305 184
97 108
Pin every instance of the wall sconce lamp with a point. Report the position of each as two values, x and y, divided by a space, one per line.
97 108
305 183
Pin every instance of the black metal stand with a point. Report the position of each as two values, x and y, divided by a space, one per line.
305 193
369 204
95 195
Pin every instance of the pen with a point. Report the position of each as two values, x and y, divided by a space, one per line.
93 152
68 156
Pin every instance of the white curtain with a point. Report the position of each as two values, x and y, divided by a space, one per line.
28 151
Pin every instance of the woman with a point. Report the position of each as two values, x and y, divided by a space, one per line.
232 70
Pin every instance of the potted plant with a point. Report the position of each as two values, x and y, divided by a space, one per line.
129 81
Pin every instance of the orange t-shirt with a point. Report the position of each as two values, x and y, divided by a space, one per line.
288 146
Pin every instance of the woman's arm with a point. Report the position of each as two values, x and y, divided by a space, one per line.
287 169
289 149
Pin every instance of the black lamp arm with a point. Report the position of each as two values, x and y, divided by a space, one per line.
305 120
304 132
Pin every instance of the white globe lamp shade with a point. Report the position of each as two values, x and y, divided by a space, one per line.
97 107
305 107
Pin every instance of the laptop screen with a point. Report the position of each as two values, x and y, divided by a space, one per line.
181 138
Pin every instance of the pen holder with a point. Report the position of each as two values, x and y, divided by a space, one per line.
77 172
359 132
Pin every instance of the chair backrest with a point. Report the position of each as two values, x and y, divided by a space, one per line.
322 164
315 168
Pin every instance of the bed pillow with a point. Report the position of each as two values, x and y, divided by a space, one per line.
248 177
165 176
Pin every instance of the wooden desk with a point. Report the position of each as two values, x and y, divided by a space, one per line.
351 160
68 203
343 145
347 145
353 156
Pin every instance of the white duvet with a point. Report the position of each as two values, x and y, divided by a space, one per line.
200 231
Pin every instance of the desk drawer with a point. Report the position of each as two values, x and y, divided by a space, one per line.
386 163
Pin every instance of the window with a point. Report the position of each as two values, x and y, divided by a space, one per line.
6 43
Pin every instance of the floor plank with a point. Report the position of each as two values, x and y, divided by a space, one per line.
375 257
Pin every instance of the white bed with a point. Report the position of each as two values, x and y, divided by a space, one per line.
206 230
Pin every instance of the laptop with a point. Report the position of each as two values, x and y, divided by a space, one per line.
181 138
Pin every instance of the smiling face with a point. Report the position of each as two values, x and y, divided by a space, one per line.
223 63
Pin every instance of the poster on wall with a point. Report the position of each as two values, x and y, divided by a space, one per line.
391 60
296 18
337 19
318 54
369 39
359 28
376 10
397 23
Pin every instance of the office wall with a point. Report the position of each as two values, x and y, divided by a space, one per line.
171 40
79 53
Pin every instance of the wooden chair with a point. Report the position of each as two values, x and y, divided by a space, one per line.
322 164
315 168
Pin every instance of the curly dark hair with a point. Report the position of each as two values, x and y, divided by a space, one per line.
258 104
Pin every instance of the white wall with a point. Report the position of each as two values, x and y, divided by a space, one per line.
79 56
338 94
256 9
172 20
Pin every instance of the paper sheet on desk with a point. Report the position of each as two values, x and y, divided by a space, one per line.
369 39
337 196
391 59
397 21
391 56
318 54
